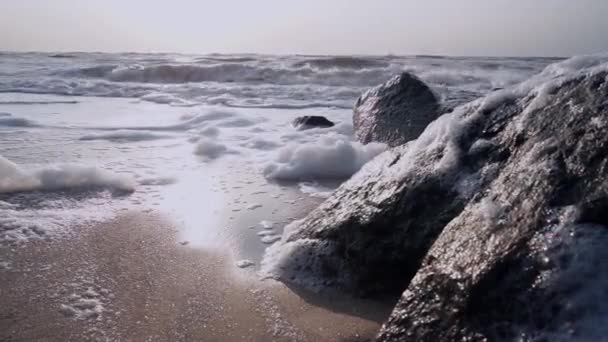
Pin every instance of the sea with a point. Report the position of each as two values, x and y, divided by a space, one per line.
204 140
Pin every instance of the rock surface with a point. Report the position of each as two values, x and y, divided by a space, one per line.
306 122
395 112
492 221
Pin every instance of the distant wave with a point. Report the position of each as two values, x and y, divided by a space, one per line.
124 135
36 102
17 122
61 55
288 105
343 62
231 73
251 81
227 59
98 71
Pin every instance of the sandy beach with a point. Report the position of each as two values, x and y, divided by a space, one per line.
131 280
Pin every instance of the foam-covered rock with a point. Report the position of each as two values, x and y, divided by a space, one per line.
491 220
395 112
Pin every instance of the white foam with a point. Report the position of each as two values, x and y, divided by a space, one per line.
210 149
270 239
267 224
244 263
59 177
88 305
330 157
286 259
314 189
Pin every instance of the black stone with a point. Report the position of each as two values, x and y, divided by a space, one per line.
306 122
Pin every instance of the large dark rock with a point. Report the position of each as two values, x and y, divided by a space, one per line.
395 112
493 221
313 121
524 258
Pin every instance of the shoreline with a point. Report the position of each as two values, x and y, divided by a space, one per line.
129 279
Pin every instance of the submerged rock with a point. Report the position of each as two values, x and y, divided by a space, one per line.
492 221
395 112
313 121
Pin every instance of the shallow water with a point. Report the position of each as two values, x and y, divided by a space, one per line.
204 139
156 147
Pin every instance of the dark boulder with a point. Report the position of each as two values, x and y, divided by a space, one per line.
492 221
306 122
395 112
522 260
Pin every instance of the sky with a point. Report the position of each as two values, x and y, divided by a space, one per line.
439 27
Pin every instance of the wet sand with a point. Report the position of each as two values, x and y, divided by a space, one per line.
130 279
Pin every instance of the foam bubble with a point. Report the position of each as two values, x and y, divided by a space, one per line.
266 224
328 158
58 177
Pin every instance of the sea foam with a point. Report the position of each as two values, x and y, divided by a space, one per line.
328 158
59 177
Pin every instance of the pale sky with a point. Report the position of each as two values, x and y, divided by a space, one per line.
447 27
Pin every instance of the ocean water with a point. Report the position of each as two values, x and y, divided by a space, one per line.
206 140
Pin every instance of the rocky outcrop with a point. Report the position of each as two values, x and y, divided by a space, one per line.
313 121
395 112
492 221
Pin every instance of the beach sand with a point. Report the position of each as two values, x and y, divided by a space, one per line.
130 279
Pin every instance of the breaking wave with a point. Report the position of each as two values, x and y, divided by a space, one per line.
234 73
343 62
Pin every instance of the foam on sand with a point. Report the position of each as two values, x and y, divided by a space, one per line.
59 177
